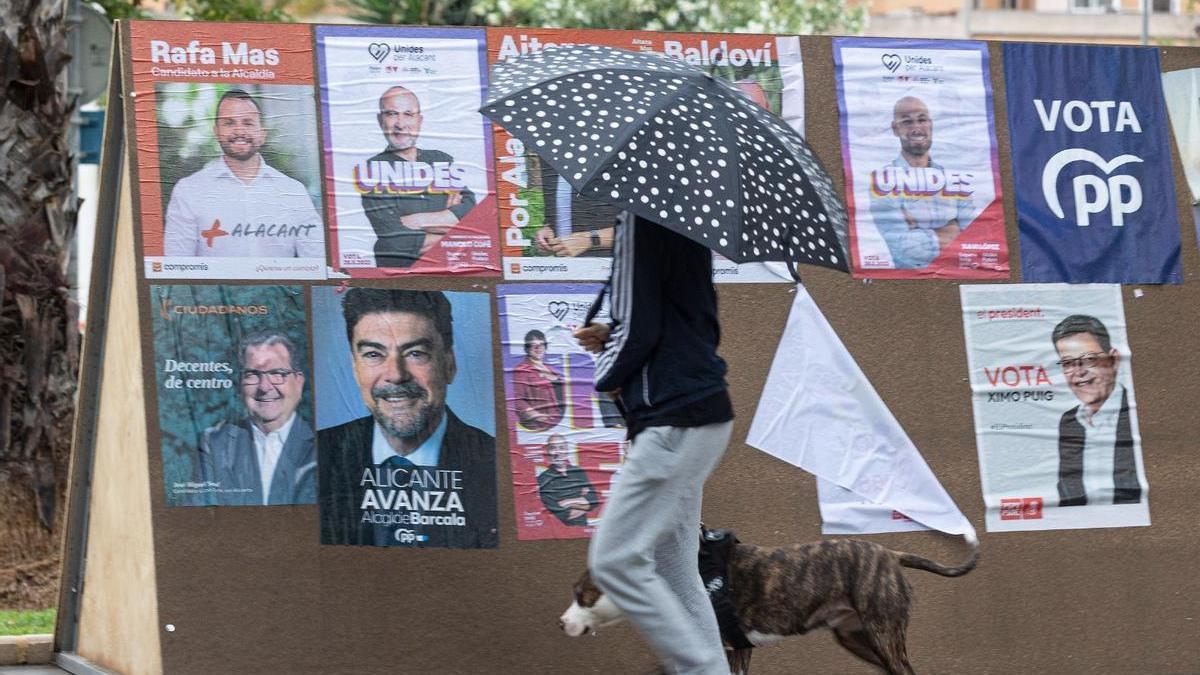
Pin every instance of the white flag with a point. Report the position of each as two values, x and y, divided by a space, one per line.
819 412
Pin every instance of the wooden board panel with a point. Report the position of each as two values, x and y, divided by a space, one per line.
118 619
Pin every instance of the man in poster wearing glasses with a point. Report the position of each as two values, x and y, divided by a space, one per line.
1097 461
267 457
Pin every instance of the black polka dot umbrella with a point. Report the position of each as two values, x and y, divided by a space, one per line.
673 144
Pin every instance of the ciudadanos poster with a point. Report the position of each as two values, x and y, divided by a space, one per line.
405 417
920 159
228 177
408 157
234 396
1092 164
1056 420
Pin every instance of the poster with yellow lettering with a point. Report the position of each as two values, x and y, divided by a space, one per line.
227 151
550 231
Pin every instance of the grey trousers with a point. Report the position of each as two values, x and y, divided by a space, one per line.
644 555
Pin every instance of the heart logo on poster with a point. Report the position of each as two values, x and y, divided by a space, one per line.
559 309
890 61
379 50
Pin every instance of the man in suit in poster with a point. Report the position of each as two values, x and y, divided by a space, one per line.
1097 460
268 456
410 473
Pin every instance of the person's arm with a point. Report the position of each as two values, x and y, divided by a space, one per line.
466 202
636 302
910 245
947 234
386 219
180 227
579 243
548 501
590 493
522 391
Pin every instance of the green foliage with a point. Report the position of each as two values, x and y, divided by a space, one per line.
235 10
27 622
743 16
121 9
413 12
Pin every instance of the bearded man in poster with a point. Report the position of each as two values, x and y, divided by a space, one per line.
238 205
916 228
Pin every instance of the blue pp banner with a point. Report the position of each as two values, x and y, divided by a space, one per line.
1092 164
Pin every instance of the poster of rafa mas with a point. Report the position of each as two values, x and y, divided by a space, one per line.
550 232
408 157
229 181
1056 420
920 159
566 440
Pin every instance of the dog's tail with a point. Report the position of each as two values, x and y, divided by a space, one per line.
917 562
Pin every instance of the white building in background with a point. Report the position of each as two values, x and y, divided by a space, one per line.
1172 22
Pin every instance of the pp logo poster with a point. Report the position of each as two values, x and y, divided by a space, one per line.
1091 163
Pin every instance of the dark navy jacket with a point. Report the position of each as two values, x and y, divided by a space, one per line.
662 352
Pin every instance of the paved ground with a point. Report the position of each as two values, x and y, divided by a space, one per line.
31 670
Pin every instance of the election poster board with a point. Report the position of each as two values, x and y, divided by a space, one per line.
920 159
1182 91
1055 416
566 440
229 185
405 417
1091 164
230 370
408 157
550 231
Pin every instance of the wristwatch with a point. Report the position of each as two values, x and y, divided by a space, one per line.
595 239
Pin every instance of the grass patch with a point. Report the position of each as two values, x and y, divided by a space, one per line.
26 622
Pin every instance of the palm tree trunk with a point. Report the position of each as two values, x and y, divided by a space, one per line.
38 337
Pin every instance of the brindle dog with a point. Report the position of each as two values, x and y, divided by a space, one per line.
855 588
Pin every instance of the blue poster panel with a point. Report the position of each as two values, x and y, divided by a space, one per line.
406 428
1091 164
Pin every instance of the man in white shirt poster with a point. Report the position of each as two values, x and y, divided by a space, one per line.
237 205
1097 461
267 457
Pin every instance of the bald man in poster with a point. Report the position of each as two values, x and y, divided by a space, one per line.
410 223
916 228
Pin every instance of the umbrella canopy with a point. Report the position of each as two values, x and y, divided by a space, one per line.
673 144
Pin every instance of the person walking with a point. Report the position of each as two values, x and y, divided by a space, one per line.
658 359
